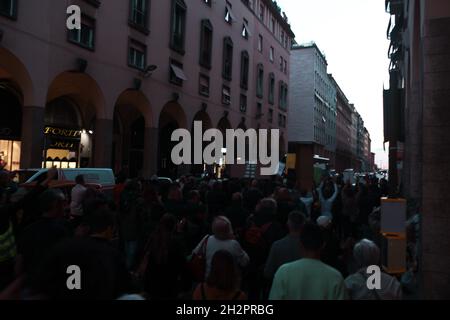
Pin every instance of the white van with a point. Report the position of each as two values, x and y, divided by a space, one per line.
103 177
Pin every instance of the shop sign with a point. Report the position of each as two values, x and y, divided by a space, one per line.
65 145
62 132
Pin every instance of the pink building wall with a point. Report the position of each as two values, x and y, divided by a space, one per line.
37 42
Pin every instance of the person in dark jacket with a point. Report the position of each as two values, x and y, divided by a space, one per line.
167 261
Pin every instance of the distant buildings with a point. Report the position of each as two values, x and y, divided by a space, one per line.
323 126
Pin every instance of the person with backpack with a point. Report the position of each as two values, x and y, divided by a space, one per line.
222 239
262 231
223 282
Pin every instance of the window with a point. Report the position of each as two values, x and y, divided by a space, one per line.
229 17
178 28
139 14
8 8
282 38
245 30
258 110
261 12
226 95
283 93
245 65
281 121
227 68
270 116
281 64
260 43
285 67
243 103
177 75
86 36
260 81
206 44
272 88
137 55
271 54
203 85
273 25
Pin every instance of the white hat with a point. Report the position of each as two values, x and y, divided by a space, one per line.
324 221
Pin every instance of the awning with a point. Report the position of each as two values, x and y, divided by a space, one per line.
247 29
178 72
233 18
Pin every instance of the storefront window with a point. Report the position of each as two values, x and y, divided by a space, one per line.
10 155
67 145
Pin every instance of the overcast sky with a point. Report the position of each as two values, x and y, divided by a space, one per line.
352 34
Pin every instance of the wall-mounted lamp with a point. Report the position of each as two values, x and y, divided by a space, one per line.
148 71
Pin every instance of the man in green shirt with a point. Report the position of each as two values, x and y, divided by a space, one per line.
308 278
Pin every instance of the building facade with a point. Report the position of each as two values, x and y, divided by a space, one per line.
344 152
366 152
416 116
111 94
360 137
312 112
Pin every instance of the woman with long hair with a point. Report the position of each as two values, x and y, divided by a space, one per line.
223 282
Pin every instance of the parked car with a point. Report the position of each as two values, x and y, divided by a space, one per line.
23 175
94 176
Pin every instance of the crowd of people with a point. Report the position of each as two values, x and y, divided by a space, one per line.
200 239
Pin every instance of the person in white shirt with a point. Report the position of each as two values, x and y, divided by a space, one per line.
222 239
327 196
307 200
77 195
367 253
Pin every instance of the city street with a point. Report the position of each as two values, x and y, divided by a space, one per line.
226 150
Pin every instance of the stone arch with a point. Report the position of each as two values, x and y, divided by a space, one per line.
131 120
172 117
12 69
74 102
